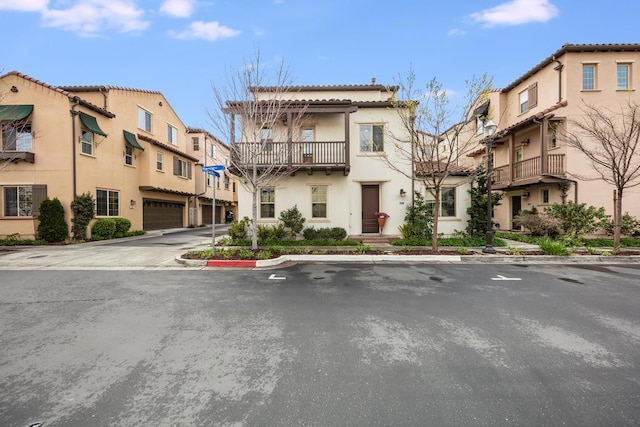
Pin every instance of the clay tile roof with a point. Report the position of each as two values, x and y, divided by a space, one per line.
440 167
100 88
64 92
324 88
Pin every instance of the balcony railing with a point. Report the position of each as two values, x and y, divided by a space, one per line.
294 154
529 168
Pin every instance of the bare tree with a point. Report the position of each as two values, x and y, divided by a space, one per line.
435 135
258 114
611 141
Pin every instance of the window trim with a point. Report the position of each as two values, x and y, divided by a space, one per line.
181 168
272 203
108 207
364 144
627 66
429 200
325 202
172 133
159 161
17 132
542 194
128 155
84 143
594 77
195 140
148 114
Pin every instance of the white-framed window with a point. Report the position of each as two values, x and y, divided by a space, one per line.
544 196
447 201
87 142
523 99
209 180
371 138
589 76
319 201
107 202
528 98
623 76
181 168
268 202
17 137
144 119
553 135
226 182
218 183
17 201
128 155
479 126
172 134
307 135
266 138
196 143
159 161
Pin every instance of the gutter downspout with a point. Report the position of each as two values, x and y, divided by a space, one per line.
74 113
102 91
559 68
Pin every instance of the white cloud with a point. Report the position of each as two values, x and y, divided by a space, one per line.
456 32
516 12
92 17
24 5
207 31
178 8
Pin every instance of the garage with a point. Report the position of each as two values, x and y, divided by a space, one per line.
161 214
206 214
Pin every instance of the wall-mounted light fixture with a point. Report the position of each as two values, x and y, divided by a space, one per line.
526 141
526 194
402 193
14 89
132 204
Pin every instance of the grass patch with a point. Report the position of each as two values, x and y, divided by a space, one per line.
450 241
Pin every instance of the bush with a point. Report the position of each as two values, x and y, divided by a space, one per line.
550 247
293 220
271 232
122 227
84 210
238 229
52 227
630 225
103 228
578 219
538 224
326 233
418 219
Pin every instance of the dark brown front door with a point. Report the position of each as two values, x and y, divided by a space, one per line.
370 194
516 205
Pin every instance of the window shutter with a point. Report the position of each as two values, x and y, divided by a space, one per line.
38 195
533 95
176 166
188 170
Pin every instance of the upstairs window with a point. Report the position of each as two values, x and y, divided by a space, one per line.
172 135
17 137
588 76
371 138
144 119
159 161
128 155
226 182
266 138
181 168
196 143
623 73
87 142
528 98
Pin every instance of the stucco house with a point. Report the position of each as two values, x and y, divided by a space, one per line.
532 165
126 147
333 162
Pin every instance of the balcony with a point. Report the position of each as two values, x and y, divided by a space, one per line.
296 155
529 171
17 156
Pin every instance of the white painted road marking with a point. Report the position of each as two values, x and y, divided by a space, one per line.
505 278
273 277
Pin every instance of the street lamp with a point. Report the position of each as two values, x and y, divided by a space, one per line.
489 130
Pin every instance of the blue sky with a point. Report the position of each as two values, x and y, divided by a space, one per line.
181 47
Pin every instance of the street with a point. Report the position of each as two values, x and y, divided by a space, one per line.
323 345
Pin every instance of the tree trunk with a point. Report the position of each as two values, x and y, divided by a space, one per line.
617 224
254 210
436 215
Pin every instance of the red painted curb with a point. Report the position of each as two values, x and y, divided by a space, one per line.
231 263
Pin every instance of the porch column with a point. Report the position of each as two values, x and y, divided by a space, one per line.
544 161
346 139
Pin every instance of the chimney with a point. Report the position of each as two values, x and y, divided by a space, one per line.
373 80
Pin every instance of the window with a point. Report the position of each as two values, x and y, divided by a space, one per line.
588 76
268 202
181 168
172 135
544 195
159 161
528 98
266 138
87 142
623 76
479 126
18 201
447 201
107 202
371 138
128 155
319 202
144 119
209 180
196 143
17 137
308 136
233 186
553 135
226 182
218 183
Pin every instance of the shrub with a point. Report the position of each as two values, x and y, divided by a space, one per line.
293 220
538 224
103 228
246 254
52 227
477 210
550 247
630 225
326 233
122 226
271 232
418 219
577 219
84 210
238 229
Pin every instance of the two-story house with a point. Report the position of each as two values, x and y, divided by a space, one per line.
335 173
126 147
209 150
532 165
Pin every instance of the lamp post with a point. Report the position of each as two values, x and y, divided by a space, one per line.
489 130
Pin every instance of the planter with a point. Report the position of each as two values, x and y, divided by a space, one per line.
381 221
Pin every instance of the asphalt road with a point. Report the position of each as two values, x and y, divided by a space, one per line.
314 345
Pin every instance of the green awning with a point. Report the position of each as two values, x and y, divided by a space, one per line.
131 139
91 123
10 113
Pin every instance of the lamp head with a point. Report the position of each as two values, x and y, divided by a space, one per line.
489 128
